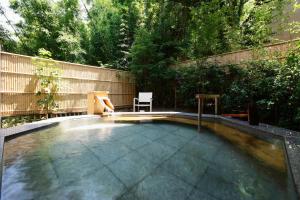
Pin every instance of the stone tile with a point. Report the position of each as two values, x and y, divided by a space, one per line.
95 142
128 196
203 151
153 134
200 195
187 132
248 172
135 141
218 188
151 126
174 141
101 184
169 127
234 175
249 189
232 158
110 152
208 137
254 184
131 168
186 167
23 180
33 156
161 185
108 134
76 167
128 127
97 136
65 149
122 133
231 175
138 128
156 152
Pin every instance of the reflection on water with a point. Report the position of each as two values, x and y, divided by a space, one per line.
114 159
270 152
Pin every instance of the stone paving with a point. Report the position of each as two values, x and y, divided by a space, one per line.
83 159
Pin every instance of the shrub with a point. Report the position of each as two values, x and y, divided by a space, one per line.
274 85
48 74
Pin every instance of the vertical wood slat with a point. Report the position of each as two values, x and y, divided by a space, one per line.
278 50
19 84
238 57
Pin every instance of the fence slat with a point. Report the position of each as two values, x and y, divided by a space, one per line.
19 85
278 51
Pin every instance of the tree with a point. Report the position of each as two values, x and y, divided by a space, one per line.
50 25
219 26
104 25
182 29
48 74
6 42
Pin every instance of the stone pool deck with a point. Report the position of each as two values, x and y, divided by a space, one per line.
291 138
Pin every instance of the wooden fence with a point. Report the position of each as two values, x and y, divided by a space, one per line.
238 57
19 85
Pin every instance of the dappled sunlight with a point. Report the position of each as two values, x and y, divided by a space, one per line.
100 132
96 126
134 118
270 153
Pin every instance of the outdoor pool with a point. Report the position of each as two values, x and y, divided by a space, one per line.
128 158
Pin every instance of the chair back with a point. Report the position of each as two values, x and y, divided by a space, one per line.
145 96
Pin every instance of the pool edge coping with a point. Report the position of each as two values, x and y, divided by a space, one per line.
291 146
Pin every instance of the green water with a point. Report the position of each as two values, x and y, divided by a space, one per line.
91 159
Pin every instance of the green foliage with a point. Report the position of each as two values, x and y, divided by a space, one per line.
208 28
254 83
273 84
124 41
151 68
287 94
53 26
18 120
7 43
113 25
183 29
48 74
104 25
200 78
219 26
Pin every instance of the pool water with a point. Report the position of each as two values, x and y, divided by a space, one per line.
96 159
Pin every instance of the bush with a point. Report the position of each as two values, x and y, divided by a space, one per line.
48 74
18 120
287 93
150 66
274 85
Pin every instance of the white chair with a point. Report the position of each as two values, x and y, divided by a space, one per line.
144 100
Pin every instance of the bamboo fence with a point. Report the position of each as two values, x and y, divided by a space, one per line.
19 85
271 51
